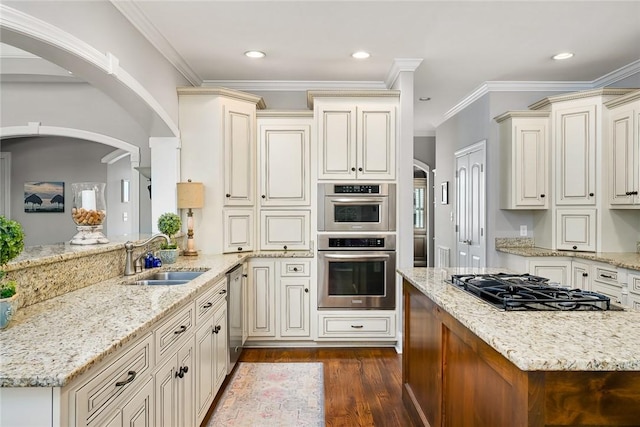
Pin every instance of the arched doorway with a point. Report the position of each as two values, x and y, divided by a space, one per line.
422 215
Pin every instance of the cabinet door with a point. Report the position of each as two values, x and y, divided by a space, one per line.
336 141
555 270
530 164
239 154
580 276
174 405
185 385
576 229
376 142
575 139
623 160
238 230
204 365
220 346
295 317
285 230
139 409
262 299
284 165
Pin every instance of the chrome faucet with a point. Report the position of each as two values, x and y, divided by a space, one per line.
129 268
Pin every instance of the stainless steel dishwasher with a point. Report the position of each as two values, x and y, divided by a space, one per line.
235 315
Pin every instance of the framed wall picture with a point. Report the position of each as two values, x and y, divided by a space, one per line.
44 196
444 188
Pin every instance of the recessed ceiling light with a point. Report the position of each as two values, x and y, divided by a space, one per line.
361 54
255 54
424 98
563 55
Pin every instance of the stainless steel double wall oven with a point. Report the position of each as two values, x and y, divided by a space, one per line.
356 267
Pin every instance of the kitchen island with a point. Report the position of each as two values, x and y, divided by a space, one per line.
466 363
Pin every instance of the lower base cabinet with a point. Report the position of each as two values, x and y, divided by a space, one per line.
138 411
174 389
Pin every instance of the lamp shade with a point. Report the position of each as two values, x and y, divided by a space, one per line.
190 195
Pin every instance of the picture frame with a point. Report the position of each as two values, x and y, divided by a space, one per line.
444 198
44 197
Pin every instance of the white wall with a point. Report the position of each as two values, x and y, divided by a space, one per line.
424 149
52 159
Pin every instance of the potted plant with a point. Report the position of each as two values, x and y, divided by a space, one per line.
11 245
169 224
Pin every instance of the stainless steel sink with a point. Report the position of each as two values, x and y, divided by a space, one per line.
153 282
168 278
176 275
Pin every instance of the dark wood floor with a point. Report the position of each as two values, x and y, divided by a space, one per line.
363 387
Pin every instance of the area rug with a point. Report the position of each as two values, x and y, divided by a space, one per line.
272 394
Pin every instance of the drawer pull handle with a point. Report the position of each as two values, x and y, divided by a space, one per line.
182 330
207 305
217 329
132 376
357 326
222 292
606 276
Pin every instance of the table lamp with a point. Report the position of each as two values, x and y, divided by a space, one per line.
190 196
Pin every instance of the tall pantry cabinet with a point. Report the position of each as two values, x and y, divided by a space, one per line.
218 134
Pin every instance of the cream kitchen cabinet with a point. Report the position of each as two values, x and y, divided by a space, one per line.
633 288
624 151
357 326
576 229
284 159
239 154
580 275
356 135
238 233
524 145
285 230
280 300
174 386
556 269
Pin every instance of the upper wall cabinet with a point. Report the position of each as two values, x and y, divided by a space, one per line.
623 135
356 134
284 159
239 155
524 145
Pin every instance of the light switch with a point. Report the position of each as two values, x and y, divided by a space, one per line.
523 231
125 217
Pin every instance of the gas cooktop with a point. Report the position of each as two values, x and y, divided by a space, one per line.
524 292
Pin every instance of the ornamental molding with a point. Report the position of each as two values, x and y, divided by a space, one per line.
313 94
141 22
293 85
400 65
548 101
625 99
223 91
307 114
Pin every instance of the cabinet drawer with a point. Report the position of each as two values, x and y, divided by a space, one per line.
634 301
605 275
294 268
634 284
613 292
335 326
115 382
173 330
207 302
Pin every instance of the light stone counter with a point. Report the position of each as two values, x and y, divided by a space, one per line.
50 343
542 340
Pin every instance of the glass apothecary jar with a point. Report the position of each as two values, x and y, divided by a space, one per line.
88 212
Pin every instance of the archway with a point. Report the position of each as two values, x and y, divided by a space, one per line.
422 215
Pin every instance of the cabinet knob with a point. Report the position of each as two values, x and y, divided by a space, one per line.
245 275
360 169
591 194
627 193
353 169
285 247
575 247
216 329
295 268
542 196
264 197
239 248
585 274
306 290
227 195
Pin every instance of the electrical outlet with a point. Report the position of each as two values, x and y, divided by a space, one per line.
125 217
523 231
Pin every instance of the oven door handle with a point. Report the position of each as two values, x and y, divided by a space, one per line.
357 201
353 256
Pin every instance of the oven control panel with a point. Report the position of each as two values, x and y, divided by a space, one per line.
347 242
356 189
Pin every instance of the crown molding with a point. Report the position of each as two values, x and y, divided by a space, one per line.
606 91
140 21
223 91
617 75
399 65
307 114
312 94
293 85
522 113
630 97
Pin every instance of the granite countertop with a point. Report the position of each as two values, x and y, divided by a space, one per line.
50 343
542 340
629 260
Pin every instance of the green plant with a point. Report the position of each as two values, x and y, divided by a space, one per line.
169 224
11 245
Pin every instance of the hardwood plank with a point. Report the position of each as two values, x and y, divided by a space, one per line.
363 386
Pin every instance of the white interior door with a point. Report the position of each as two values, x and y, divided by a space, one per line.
470 206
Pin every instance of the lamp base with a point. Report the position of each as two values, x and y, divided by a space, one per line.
190 252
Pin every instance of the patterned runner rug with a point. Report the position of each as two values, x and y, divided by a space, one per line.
272 394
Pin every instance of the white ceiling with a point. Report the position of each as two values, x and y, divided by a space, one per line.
462 44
